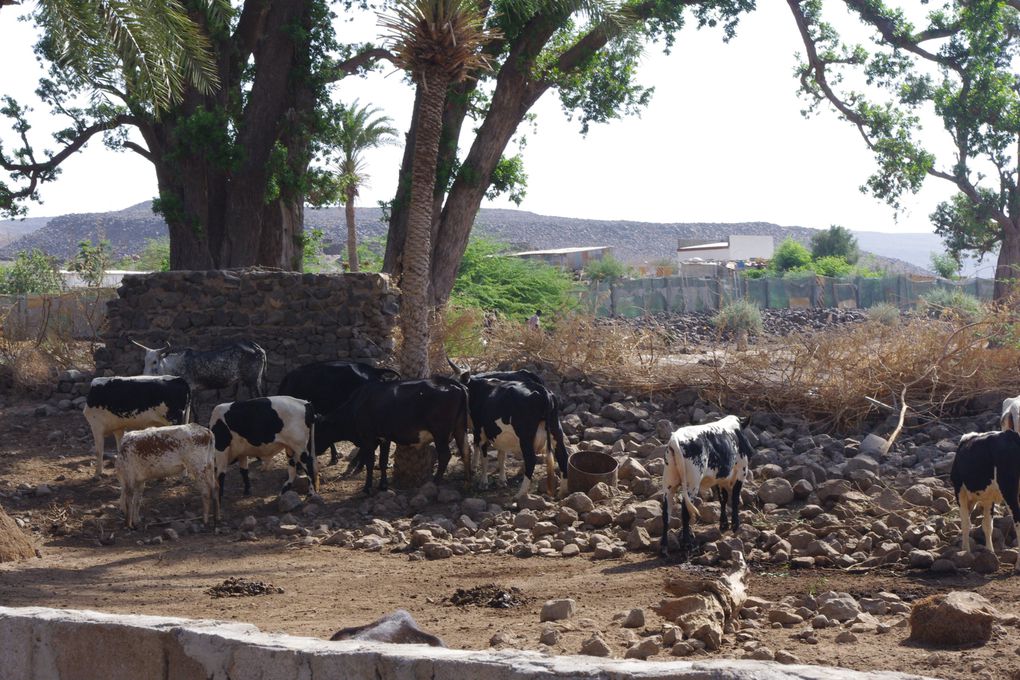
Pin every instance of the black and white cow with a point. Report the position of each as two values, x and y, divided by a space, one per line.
115 405
328 384
261 428
1010 419
242 362
704 456
406 413
986 470
515 417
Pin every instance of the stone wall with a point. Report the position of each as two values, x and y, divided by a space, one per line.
297 318
63 644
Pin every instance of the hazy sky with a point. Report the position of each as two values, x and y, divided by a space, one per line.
723 140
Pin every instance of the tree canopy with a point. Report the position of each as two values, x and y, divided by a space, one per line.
836 241
954 61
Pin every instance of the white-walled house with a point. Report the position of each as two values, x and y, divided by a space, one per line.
738 248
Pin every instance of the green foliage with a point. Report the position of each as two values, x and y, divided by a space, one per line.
737 316
32 272
789 255
836 241
311 249
511 286
370 254
832 265
155 257
945 265
950 302
885 313
606 270
91 262
755 273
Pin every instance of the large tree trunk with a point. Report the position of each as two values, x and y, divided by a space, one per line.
1007 266
352 234
14 543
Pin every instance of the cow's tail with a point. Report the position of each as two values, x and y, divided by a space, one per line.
313 472
260 381
685 493
746 452
554 432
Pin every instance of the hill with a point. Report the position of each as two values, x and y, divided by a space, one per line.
634 242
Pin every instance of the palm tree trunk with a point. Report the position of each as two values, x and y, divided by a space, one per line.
352 235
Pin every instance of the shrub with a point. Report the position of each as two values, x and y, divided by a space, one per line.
789 255
832 265
885 313
946 302
836 241
32 272
608 269
945 265
753 273
738 316
91 262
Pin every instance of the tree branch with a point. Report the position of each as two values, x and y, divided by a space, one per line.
890 33
141 151
78 142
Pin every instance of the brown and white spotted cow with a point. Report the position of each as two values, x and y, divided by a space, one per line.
159 452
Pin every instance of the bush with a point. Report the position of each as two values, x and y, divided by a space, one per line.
753 273
91 262
832 265
738 316
945 265
946 303
608 269
836 241
885 313
32 272
510 286
789 255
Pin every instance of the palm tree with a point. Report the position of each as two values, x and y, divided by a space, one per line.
358 131
157 46
437 42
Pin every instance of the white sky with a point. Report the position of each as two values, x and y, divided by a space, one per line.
723 140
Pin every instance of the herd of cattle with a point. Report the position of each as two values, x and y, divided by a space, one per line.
323 403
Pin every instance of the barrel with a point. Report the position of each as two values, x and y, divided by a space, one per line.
585 469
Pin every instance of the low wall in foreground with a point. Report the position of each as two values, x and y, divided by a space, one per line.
50 644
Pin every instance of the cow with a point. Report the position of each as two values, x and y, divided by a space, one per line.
986 470
713 455
398 628
260 428
519 417
118 404
241 362
159 452
328 384
406 413
1010 419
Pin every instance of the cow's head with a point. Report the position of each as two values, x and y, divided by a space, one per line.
153 357
461 374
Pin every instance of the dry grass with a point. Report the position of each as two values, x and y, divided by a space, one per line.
936 366
32 367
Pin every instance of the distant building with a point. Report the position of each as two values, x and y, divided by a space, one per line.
111 278
567 258
738 248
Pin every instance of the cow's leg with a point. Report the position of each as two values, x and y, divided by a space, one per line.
668 501
963 499
735 503
221 478
443 457
528 454
986 524
98 436
723 495
136 503
366 454
460 439
334 455
242 463
686 534
118 436
127 498
384 462
501 462
481 465
293 463
1011 492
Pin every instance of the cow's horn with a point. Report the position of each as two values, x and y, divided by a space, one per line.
147 349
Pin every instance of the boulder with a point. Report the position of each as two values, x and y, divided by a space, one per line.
873 445
644 649
918 494
838 606
635 618
579 502
595 646
832 489
558 610
606 435
778 491
953 619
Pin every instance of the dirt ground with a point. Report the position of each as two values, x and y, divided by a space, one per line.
326 588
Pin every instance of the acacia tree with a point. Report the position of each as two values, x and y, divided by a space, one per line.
437 42
835 241
587 50
231 162
960 65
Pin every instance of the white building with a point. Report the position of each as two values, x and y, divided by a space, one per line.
738 248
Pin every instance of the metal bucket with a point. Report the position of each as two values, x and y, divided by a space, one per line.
585 469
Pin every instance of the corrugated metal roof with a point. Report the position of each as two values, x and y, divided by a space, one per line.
561 251
705 246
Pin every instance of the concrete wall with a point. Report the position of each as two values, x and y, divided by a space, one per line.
297 318
748 246
57 644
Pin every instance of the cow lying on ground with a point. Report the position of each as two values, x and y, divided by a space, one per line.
398 628
241 362
260 428
159 452
519 417
115 405
986 470
406 413
699 457
328 384
1010 419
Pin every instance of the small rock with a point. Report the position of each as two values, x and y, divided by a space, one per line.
918 494
170 534
873 445
43 490
579 502
846 637
778 491
571 550
783 656
557 610
985 562
249 523
635 618
550 636
289 501
954 619
600 492
595 646
436 551
644 649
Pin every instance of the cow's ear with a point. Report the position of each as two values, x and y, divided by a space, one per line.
744 420
465 376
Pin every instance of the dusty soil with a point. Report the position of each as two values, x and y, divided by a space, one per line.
326 588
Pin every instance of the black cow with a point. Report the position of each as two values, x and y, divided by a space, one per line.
986 470
328 384
261 428
515 416
115 405
713 454
406 413
241 362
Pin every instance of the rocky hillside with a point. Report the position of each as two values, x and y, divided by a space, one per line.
634 242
